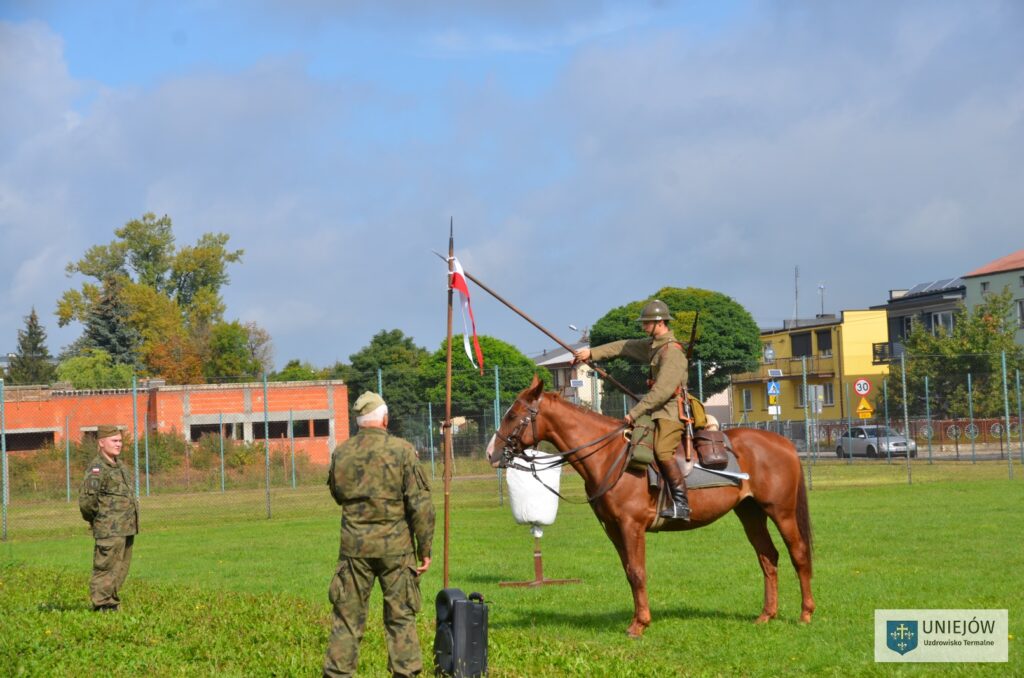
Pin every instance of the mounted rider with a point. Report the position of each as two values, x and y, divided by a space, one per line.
667 359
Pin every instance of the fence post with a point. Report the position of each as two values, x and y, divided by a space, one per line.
135 432
430 436
700 381
497 423
220 431
145 439
928 417
266 441
1020 421
1006 414
3 453
849 422
906 416
970 410
67 455
807 436
291 443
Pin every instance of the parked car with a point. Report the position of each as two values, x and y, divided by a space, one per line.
874 441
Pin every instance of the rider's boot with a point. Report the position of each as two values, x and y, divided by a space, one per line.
680 508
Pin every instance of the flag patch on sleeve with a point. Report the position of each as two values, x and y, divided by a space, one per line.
95 470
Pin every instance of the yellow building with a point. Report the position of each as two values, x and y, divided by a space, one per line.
834 353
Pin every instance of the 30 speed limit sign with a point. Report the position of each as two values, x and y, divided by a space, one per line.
862 387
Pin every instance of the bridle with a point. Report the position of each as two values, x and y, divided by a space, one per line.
514 450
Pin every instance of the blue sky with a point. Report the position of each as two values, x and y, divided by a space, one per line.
589 152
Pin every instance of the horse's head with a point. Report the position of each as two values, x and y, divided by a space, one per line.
518 429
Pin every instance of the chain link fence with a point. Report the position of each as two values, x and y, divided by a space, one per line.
240 449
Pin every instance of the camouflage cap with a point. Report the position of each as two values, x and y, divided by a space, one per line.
107 430
367 403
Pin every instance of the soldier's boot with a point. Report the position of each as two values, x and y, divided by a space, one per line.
680 509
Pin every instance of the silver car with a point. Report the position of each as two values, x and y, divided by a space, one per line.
874 441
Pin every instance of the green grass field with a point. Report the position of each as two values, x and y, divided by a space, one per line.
216 590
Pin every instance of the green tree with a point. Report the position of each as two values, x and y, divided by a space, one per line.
171 297
398 358
31 362
473 393
94 369
728 339
297 370
975 346
107 325
229 353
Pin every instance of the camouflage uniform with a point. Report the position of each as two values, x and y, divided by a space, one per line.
108 504
385 501
668 371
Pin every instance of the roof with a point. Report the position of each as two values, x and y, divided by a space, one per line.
558 356
1011 262
934 286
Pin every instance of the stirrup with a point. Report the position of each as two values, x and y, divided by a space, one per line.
676 512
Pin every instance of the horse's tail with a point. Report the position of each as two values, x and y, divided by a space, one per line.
803 517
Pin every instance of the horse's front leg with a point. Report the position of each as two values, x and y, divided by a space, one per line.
631 543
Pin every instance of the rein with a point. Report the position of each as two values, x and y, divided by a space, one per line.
514 450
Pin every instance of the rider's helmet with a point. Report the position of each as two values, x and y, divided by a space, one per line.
654 311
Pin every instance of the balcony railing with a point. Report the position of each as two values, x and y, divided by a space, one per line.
886 352
781 368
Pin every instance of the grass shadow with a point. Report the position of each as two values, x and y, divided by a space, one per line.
604 621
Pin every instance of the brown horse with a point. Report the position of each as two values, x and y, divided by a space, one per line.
626 506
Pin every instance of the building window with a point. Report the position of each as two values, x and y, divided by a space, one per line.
1021 280
801 344
1020 313
748 400
984 287
943 319
824 342
800 397
829 394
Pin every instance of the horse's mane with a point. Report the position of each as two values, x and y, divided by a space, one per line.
581 409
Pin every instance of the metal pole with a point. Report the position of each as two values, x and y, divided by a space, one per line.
1020 421
970 410
906 416
447 426
3 454
135 432
67 455
291 443
497 423
700 381
1006 414
849 422
220 428
266 441
928 417
885 398
145 440
807 438
380 383
430 424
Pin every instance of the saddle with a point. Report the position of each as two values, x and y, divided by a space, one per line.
712 448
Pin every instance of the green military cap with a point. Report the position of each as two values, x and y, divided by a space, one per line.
367 403
107 430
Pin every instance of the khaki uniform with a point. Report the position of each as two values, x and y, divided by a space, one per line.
108 503
668 371
386 507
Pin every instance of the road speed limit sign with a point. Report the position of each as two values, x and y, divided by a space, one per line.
862 387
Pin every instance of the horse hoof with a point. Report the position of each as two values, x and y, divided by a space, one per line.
635 632
805 618
764 619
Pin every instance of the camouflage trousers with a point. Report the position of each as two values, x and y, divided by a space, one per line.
350 597
111 559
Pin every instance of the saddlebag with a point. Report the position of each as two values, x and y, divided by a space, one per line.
711 449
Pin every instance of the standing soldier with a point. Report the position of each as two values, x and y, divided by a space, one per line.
109 505
385 500
668 374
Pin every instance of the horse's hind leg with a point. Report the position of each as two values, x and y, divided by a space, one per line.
800 555
630 541
755 524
